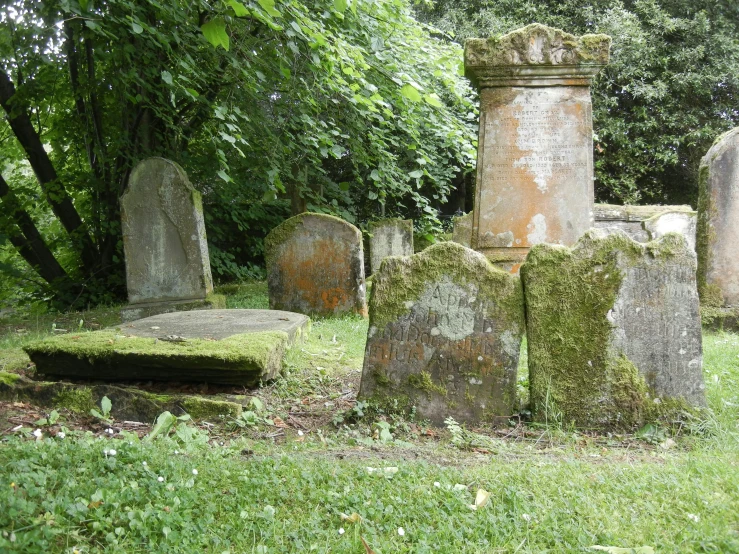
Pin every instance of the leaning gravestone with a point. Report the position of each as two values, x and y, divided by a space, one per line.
535 148
167 265
718 227
444 336
390 237
315 266
614 332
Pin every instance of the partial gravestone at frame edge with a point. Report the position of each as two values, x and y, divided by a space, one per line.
535 158
164 242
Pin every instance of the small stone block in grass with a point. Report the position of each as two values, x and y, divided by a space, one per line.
232 347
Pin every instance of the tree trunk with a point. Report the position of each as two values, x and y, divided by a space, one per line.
29 242
60 202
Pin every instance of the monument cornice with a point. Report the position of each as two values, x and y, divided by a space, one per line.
536 55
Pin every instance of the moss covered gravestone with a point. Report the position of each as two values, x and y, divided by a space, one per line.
535 148
444 336
613 329
166 251
315 266
389 237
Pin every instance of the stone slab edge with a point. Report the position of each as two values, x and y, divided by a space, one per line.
132 312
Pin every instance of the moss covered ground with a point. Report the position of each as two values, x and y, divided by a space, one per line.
278 477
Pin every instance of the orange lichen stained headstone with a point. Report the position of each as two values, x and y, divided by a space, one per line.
535 151
315 266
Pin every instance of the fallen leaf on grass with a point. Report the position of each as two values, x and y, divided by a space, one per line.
481 499
354 518
279 422
367 549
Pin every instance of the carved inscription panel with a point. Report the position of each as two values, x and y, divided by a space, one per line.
657 326
448 355
535 169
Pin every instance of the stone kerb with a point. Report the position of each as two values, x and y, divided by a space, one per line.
164 240
444 336
718 228
614 333
535 150
315 266
389 237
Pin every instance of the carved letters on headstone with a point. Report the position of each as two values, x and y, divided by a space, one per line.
315 266
444 337
164 238
535 150
390 237
613 328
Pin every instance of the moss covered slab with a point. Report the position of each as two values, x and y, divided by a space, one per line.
315 266
614 332
718 223
240 347
444 336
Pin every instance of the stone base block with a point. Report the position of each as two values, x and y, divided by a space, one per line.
132 312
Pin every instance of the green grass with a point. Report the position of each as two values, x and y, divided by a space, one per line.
260 488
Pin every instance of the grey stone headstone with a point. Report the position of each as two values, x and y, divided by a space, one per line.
462 231
315 266
614 332
164 236
390 237
718 223
444 336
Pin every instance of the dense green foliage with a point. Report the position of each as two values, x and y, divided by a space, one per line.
669 91
344 107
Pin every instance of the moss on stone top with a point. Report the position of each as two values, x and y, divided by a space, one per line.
231 352
557 47
8 378
404 279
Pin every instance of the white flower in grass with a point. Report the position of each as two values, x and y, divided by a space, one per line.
194 471
437 484
401 531
61 434
160 479
176 451
694 517
143 463
112 452
341 530
110 431
37 433
526 517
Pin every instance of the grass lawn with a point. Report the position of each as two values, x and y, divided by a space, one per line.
307 468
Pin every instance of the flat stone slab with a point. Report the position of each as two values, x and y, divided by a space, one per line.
232 347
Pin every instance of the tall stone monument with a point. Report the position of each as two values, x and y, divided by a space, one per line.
718 223
535 149
390 237
613 329
315 266
166 251
444 336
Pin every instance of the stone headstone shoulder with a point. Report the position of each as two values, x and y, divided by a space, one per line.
535 151
681 222
614 333
389 237
717 228
444 336
164 242
315 266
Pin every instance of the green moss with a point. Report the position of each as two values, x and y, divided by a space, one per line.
8 378
216 301
205 408
710 293
76 399
381 378
405 279
106 345
720 319
571 364
424 382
